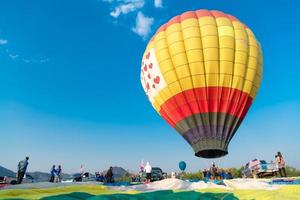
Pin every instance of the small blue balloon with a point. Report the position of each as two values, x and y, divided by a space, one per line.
182 165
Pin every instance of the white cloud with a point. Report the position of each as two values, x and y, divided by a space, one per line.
3 41
143 25
33 60
13 56
19 57
158 3
126 6
44 60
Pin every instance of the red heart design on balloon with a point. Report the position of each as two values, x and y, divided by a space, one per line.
153 86
148 55
145 67
150 65
156 80
149 76
147 86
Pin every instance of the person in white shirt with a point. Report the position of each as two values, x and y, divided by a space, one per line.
148 170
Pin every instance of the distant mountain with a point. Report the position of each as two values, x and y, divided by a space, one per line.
118 172
39 176
6 172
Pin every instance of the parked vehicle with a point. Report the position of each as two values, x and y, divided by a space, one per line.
259 169
156 175
78 177
13 180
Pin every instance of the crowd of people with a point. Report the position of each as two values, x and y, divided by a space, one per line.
213 173
107 178
146 169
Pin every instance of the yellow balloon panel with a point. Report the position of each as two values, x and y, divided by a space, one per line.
210 41
211 67
199 81
183 71
208 30
186 83
166 65
193 43
226 54
225 80
176 48
170 76
197 68
211 54
223 21
195 56
226 42
192 22
179 60
173 29
206 21
190 32
212 80
225 31
226 67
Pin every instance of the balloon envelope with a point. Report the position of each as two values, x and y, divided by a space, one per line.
201 72
182 165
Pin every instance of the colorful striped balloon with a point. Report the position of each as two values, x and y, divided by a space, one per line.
201 71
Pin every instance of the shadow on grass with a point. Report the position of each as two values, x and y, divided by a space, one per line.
166 194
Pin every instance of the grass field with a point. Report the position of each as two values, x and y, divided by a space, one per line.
289 192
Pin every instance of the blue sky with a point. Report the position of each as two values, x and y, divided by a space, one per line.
70 89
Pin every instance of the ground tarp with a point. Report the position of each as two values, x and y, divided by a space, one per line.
166 194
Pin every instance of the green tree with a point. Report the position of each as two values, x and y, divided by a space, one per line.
292 171
125 178
236 172
191 175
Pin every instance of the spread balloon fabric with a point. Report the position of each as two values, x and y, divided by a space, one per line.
201 72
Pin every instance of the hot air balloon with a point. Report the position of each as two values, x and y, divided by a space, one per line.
182 165
201 72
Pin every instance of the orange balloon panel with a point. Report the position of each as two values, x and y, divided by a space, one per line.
201 71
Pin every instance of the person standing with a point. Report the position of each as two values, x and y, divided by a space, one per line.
148 170
213 171
52 174
276 165
109 175
142 166
281 165
101 177
58 174
204 173
22 167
